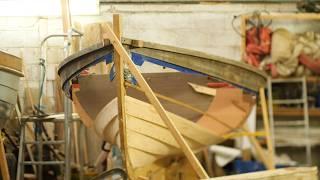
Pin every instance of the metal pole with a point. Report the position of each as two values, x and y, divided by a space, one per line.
67 117
20 170
39 147
67 134
81 133
306 121
271 118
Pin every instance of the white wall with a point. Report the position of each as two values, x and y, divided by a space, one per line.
203 27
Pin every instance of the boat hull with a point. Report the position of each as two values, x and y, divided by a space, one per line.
148 137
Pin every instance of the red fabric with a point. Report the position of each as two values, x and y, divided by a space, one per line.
307 61
258 44
273 69
219 85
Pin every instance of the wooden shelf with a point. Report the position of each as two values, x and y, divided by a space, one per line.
283 111
313 79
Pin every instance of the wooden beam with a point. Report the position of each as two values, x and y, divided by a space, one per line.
3 161
66 17
267 127
119 67
156 103
259 150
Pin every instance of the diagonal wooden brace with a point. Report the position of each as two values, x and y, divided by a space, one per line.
156 103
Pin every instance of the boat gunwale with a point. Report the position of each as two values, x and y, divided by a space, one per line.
134 45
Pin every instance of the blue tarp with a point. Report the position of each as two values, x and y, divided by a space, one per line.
139 59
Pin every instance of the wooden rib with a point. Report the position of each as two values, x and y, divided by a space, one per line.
156 103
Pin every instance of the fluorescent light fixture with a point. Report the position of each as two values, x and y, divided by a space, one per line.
46 7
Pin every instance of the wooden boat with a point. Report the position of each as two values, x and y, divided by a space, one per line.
144 125
148 138
10 73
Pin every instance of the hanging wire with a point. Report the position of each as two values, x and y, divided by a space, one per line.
256 15
233 26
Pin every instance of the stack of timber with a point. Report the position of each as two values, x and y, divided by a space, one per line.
10 73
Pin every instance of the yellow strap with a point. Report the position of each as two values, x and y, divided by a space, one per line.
240 134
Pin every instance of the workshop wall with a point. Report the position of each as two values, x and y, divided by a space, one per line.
203 27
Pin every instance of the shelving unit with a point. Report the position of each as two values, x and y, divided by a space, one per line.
292 123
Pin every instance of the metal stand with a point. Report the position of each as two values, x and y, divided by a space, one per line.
40 140
303 100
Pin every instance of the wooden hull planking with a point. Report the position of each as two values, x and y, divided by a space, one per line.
148 136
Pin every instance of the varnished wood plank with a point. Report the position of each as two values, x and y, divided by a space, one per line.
3 162
234 72
299 173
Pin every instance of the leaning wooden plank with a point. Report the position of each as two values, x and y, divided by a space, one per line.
260 151
3 161
300 173
156 103
202 89
266 127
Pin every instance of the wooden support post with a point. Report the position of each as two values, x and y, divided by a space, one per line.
243 28
3 161
157 105
118 62
266 126
260 153
66 17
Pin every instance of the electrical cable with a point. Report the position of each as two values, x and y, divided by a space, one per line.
42 77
